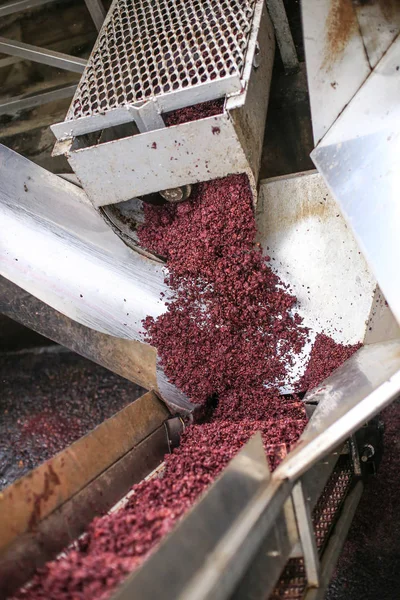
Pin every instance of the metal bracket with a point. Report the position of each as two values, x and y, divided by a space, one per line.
147 117
40 55
97 12
306 534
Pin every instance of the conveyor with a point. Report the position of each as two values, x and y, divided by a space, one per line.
73 269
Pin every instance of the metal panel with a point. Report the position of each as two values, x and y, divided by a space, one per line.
48 229
336 61
234 511
359 160
149 49
40 55
129 358
353 394
381 326
153 161
311 248
249 118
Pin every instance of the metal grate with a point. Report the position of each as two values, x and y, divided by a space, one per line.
148 48
329 503
293 582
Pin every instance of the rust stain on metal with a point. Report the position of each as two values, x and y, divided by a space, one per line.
51 481
341 25
306 210
320 211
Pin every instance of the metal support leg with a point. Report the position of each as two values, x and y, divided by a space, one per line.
14 105
97 12
40 55
306 534
9 8
283 34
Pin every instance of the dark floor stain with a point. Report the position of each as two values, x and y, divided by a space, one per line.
48 401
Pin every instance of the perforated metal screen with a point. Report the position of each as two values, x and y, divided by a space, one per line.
148 48
293 581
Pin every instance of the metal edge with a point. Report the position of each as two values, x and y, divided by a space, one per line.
31 550
342 410
178 561
134 360
157 149
35 496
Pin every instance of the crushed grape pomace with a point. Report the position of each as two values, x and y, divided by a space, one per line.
230 330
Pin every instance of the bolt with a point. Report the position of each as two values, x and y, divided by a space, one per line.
368 452
178 194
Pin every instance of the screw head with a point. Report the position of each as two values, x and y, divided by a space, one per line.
178 194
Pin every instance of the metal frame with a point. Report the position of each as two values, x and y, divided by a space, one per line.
97 12
210 554
287 49
20 50
212 565
306 535
19 103
95 8
335 544
40 55
169 157
9 8
356 392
